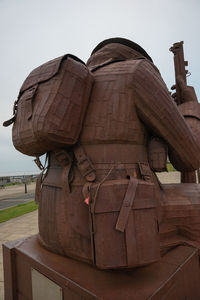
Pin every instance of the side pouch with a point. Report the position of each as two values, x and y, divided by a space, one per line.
157 154
50 200
124 231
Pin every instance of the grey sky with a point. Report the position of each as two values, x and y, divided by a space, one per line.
33 32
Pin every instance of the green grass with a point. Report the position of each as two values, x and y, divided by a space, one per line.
170 168
13 183
16 211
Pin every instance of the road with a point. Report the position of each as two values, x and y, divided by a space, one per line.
13 195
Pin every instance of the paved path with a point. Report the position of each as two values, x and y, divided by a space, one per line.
27 224
169 177
13 195
16 189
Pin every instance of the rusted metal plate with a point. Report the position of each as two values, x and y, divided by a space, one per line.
176 276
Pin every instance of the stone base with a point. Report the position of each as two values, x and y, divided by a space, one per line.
31 272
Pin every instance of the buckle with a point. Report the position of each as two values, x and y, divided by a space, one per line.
63 157
86 169
145 170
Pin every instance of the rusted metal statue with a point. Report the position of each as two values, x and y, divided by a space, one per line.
108 128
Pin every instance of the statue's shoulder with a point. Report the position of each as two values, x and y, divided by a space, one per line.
146 74
140 66
143 65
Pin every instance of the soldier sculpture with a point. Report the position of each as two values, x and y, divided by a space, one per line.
114 163
100 200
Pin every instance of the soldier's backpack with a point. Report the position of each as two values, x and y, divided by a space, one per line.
51 105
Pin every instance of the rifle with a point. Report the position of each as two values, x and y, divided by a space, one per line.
179 66
180 71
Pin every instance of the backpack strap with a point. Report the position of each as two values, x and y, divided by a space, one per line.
65 159
84 164
9 122
86 169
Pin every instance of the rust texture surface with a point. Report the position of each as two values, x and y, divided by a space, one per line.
108 127
130 126
51 105
175 276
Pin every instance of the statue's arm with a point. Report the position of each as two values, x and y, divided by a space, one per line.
158 111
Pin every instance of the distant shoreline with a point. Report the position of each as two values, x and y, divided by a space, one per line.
19 174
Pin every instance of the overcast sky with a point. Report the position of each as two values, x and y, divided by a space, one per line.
33 32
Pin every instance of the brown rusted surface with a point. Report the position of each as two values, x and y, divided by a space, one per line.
157 154
121 220
100 200
181 216
123 117
10 284
176 276
51 106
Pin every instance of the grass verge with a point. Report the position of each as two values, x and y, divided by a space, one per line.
16 211
170 168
